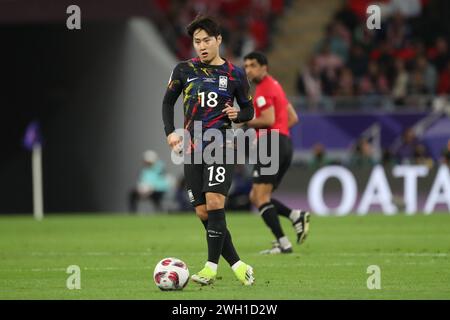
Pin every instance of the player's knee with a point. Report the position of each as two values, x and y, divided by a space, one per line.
201 213
259 197
215 202
253 197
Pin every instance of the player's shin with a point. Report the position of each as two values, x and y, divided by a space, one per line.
269 214
285 211
216 232
229 252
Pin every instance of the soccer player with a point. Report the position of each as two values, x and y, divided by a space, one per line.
209 84
273 112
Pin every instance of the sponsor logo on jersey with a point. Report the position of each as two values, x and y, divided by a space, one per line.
211 80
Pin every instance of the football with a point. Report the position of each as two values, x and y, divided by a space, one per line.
171 274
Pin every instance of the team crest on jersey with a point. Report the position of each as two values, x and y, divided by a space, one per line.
223 82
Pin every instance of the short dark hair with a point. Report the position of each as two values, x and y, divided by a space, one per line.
207 23
258 56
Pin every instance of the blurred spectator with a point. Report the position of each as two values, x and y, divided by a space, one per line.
439 55
444 81
362 154
421 156
374 82
152 183
337 38
358 61
383 54
309 83
398 31
404 153
387 159
328 62
400 82
428 73
345 83
446 154
319 158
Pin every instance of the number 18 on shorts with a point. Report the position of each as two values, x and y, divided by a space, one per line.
202 178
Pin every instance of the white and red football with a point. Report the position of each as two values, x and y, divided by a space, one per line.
171 274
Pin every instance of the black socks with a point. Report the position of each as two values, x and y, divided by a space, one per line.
216 232
269 214
228 251
281 208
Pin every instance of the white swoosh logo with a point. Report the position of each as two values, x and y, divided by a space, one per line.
213 184
189 79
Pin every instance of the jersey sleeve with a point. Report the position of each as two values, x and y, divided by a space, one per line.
263 102
173 91
244 99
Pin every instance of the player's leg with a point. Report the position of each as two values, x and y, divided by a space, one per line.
260 196
298 217
215 203
228 251
194 184
216 183
216 232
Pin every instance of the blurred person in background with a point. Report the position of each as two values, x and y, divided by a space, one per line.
329 64
446 154
400 82
310 84
439 54
319 157
404 153
444 81
428 73
152 184
421 156
362 154
373 82
358 61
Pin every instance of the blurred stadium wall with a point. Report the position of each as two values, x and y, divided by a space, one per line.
97 93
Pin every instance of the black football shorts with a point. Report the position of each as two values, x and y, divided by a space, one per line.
201 178
284 157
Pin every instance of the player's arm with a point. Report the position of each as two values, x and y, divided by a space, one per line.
244 99
265 120
173 91
292 116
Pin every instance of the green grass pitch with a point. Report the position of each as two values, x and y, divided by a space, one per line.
117 254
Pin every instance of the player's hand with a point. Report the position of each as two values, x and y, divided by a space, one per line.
231 112
174 141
